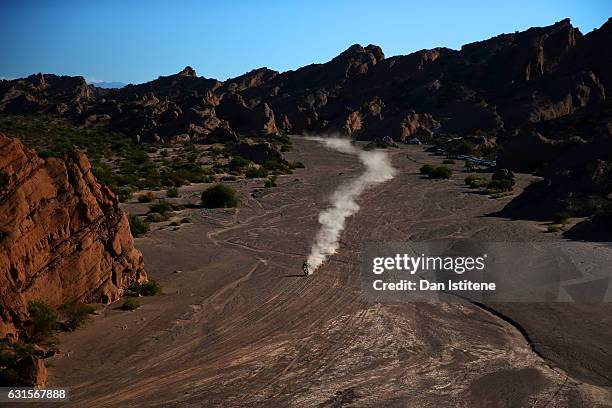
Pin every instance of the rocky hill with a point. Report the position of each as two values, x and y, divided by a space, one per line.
63 236
491 86
509 93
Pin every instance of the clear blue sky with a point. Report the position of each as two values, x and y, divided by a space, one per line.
136 41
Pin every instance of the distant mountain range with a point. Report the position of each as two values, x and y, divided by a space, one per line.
108 85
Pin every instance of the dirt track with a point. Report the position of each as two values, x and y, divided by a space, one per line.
237 328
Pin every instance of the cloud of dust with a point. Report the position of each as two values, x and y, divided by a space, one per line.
378 169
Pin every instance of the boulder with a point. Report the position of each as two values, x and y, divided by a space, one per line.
32 371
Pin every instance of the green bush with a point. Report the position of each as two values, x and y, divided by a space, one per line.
219 196
124 194
172 192
475 181
499 186
441 172
163 207
554 228
238 163
149 288
138 226
426 169
76 314
44 320
271 182
130 304
256 172
157 217
448 161
146 198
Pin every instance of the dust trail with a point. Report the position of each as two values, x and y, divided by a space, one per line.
378 169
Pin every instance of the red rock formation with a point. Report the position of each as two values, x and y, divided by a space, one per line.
245 120
63 236
32 371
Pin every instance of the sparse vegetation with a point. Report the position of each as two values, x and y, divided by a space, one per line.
149 288
271 182
146 198
75 314
256 172
162 207
498 186
238 163
130 304
219 196
157 217
138 226
475 181
426 169
448 161
441 172
172 192
552 228
44 321
117 160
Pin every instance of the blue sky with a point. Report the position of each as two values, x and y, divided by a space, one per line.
136 41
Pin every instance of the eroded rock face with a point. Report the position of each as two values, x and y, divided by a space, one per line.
495 86
63 236
45 93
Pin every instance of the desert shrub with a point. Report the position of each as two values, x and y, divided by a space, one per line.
157 217
124 194
441 172
470 165
554 228
130 304
271 182
229 178
172 192
75 314
238 163
174 224
448 161
44 320
475 181
426 169
277 166
146 198
150 288
256 172
138 226
163 207
499 186
219 196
